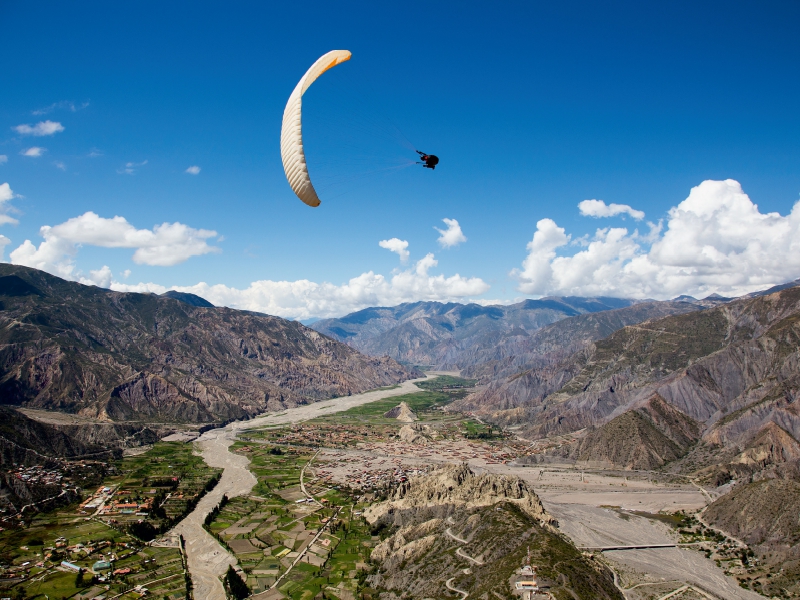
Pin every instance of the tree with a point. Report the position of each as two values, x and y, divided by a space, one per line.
236 584
79 578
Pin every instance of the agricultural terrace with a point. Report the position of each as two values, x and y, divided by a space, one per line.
87 549
308 541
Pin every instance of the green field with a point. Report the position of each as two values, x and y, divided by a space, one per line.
167 476
422 403
269 529
446 382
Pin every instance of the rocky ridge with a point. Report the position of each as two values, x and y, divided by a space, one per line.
446 335
451 519
454 488
732 369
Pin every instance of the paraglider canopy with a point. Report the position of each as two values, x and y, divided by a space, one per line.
292 153
429 161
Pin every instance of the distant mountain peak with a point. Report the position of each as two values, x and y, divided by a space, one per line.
186 298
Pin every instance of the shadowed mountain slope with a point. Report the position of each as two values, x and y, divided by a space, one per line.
123 356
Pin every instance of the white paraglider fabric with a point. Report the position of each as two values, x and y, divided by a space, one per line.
292 154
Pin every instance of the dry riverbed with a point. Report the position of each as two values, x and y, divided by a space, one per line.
208 560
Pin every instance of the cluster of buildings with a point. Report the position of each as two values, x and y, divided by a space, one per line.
110 501
321 435
360 473
38 474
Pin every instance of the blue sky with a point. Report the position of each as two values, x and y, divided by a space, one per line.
533 108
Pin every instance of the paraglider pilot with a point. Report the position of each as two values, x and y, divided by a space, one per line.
429 161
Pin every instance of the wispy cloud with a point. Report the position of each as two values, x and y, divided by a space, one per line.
131 167
34 151
41 129
452 236
63 105
599 209
193 170
60 165
3 159
94 153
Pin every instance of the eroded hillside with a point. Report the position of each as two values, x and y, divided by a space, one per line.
123 356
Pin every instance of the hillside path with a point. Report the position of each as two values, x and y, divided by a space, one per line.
208 560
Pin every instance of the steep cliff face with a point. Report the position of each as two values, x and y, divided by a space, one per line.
117 356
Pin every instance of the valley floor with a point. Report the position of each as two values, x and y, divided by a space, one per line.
208 560
594 509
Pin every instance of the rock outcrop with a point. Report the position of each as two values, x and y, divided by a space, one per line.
455 488
402 412
451 519
413 434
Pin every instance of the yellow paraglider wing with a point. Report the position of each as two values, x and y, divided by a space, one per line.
292 154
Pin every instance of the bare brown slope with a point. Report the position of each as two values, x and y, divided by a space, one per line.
646 438
522 368
75 348
764 515
732 368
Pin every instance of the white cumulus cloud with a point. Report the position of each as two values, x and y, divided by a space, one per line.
598 208
42 128
304 299
716 240
452 236
398 246
100 277
6 194
193 170
4 241
165 245
34 151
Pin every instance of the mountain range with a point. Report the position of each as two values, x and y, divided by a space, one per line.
140 357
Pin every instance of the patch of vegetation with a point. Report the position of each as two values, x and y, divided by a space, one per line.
267 531
148 494
446 382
